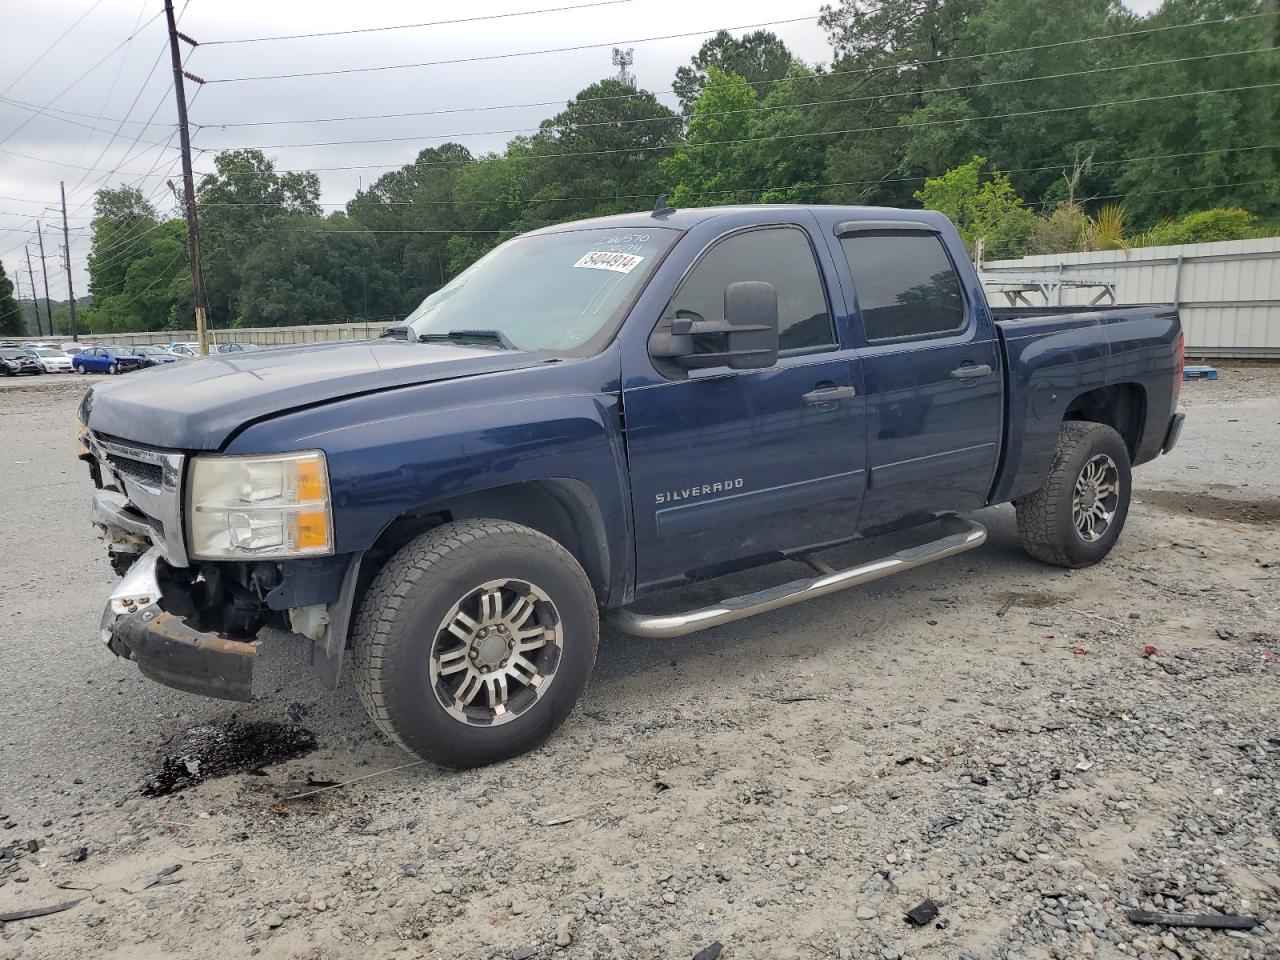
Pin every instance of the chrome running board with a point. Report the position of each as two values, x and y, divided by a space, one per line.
962 535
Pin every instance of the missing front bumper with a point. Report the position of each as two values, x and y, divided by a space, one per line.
165 648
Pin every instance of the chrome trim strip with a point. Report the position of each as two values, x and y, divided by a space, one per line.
964 535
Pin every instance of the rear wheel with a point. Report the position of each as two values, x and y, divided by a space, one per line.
475 641
1077 516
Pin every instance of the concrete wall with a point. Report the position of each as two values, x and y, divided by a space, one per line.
1228 292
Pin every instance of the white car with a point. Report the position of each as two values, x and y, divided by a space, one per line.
187 350
53 361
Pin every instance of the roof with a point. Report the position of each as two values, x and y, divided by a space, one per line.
684 218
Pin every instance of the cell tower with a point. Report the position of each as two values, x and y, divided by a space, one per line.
623 59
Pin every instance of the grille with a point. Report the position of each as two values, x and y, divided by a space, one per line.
139 470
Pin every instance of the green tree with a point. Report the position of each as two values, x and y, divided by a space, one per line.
709 167
990 208
240 204
758 57
1205 226
11 323
123 226
156 291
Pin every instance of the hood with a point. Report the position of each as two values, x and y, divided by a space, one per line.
197 405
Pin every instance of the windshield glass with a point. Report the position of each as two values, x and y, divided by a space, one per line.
10 354
554 291
46 352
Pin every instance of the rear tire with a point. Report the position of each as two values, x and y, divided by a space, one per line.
1077 516
442 631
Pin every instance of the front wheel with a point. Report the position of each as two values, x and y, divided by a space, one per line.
475 641
113 368
1076 517
80 369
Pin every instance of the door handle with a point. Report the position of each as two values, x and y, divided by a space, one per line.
831 394
971 372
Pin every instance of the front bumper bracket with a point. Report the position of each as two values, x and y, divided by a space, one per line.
166 648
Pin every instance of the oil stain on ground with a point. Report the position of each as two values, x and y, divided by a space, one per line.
1207 506
229 746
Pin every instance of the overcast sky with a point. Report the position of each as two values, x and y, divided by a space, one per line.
133 83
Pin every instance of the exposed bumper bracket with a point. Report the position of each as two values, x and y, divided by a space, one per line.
166 648
960 535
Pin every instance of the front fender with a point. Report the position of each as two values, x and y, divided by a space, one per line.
395 452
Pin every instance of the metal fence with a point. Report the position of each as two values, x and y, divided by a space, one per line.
1228 292
262 336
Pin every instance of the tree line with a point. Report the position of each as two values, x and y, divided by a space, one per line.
990 110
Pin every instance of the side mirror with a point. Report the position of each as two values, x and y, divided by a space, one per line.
749 331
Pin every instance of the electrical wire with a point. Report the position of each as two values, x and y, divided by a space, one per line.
484 58
49 49
414 26
750 110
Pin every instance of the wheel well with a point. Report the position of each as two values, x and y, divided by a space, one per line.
564 510
1121 406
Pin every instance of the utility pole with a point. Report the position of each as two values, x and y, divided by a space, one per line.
34 303
188 180
66 247
44 268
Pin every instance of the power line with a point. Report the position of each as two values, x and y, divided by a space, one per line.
56 97
752 110
49 111
841 183
62 36
789 79
414 26
782 136
505 56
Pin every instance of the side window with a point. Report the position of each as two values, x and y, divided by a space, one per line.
778 255
906 285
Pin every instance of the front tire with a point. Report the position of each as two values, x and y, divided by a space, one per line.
81 369
475 641
113 368
1077 516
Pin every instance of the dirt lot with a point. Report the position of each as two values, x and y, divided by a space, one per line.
787 786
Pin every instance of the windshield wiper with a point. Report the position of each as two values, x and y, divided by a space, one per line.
469 336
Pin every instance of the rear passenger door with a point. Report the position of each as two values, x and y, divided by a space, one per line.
932 369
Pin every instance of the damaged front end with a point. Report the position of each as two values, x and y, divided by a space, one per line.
192 623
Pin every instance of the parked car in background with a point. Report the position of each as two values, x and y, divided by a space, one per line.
155 356
14 361
397 331
107 359
237 347
71 349
188 350
51 359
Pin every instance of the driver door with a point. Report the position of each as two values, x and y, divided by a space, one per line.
735 467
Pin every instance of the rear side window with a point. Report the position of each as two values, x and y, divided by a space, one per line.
906 285
778 255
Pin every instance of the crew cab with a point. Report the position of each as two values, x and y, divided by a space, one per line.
589 415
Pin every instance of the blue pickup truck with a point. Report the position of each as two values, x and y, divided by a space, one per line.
591 414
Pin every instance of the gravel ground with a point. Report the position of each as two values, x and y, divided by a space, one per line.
787 786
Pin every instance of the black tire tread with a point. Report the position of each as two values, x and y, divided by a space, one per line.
1036 513
399 579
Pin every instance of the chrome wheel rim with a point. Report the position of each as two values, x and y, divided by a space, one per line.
496 652
1096 497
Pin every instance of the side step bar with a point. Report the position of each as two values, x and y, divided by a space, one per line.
960 535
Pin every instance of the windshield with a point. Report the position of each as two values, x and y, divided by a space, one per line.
10 354
49 353
553 291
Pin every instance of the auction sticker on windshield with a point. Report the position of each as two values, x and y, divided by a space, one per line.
603 260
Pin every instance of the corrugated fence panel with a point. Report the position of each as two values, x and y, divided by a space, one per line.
1228 292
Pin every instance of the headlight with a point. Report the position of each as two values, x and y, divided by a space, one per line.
241 508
